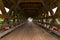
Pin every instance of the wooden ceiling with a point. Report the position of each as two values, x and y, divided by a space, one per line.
31 8
30 0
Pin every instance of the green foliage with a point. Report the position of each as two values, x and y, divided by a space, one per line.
1 20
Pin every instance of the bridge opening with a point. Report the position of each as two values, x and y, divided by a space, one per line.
30 19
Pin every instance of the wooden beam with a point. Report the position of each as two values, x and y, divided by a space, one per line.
2 7
15 7
29 0
57 13
15 4
5 16
47 7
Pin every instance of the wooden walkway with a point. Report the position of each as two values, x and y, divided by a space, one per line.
29 31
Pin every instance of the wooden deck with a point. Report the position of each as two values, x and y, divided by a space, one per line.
29 31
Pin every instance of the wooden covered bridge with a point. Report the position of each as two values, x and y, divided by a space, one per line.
30 20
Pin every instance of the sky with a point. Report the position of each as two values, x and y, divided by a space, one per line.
55 9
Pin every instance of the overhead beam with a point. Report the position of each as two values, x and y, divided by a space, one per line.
15 7
29 0
2 7
57 14
47 7
15 4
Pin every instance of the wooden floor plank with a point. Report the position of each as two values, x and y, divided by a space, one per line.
29 31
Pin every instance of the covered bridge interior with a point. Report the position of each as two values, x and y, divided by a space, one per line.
40 11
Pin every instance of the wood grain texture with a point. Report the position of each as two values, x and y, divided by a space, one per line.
30 0
29 31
